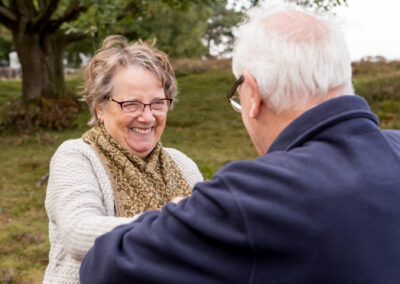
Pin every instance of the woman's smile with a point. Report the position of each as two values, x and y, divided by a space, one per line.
142 130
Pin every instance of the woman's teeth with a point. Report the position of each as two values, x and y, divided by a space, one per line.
142 130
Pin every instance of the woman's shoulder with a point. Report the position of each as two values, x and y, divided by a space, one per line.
186 165
178 156
73 145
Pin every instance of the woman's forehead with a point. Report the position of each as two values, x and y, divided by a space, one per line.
133 83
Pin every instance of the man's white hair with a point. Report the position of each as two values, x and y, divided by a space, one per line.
292 61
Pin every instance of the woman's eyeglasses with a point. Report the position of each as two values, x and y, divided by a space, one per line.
233 96
160 106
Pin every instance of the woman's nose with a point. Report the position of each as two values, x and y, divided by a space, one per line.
147 115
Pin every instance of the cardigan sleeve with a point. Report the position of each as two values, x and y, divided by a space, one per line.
75 202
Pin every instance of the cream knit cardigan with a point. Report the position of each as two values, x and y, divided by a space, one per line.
80 205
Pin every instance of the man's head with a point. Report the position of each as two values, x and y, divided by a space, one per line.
291 60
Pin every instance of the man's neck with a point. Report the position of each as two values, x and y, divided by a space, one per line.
272 123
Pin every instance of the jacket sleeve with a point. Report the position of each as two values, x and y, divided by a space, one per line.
184 243
75 202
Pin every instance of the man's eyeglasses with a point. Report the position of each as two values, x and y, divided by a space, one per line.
136 108
233 96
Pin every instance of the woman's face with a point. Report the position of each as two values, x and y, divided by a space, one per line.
137 133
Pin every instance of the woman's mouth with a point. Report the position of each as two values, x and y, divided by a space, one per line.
142 130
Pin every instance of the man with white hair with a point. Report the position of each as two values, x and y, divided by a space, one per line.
320 205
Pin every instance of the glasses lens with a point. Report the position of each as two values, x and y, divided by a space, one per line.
131 107
233 96
136 108
235 104
160 105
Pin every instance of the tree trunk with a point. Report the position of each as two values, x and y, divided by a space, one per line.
41 58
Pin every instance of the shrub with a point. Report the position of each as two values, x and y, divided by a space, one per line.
379 67
47 113
184 67
379 88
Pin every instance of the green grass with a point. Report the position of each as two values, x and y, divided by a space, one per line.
10 89
202 125
383 94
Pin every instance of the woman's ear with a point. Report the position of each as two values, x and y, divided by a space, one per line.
255 97
100 114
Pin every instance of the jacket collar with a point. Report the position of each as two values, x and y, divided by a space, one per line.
320 117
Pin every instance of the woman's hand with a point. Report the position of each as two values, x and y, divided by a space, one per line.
176 200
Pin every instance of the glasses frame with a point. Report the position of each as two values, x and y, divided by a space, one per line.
235 105
144 105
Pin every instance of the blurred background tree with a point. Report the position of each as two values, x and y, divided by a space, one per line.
42 29
220 25
6 45
178 32
315 4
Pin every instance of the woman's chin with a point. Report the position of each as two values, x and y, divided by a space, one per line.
141 143
141 149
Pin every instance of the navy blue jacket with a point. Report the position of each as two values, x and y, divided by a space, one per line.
322 206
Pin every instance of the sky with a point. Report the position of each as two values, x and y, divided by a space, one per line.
372 27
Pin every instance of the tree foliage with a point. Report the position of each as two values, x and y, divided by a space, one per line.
6 45
178 32
321 4
315 4
220 26
182 32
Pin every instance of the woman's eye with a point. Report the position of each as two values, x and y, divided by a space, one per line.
131 104
158 103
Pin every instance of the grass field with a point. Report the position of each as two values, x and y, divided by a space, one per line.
202 125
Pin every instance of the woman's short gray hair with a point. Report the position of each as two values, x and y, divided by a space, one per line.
117 52
292 65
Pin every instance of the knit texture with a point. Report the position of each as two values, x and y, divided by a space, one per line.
80 205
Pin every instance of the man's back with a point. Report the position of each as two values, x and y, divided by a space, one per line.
324 203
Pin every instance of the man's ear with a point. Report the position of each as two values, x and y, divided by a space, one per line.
255 97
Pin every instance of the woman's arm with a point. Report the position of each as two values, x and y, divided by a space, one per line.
76 200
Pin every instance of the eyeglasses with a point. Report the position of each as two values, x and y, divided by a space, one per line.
233 96
135 108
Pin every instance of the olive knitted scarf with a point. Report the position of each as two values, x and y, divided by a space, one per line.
138 185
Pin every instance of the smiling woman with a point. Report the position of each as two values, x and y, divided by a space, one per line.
135 126
118 169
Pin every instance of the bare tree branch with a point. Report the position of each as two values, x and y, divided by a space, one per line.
24 10
42 5
18 4
71 37
31 7
44 16
73 11
6 17
131 7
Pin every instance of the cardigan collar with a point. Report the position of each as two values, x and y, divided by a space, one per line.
319 118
